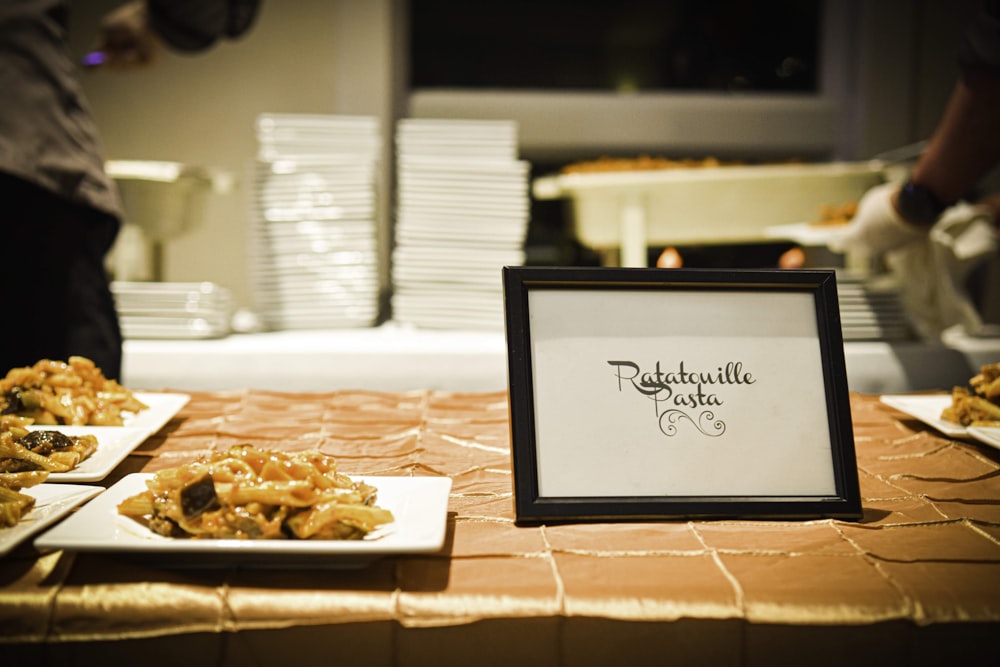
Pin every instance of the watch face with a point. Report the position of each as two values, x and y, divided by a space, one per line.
919 205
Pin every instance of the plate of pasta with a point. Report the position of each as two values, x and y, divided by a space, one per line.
926 408
113 445
216 512
50 503
75 392
160 408
973 406
108 445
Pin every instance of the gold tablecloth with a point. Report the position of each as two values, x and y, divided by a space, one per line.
917 581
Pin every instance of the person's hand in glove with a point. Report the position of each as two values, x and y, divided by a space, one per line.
878 227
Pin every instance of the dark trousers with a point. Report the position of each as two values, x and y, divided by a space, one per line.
54 290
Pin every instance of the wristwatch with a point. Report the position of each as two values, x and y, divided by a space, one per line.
918 205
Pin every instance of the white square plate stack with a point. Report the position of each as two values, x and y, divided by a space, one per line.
462 212
172 310
314 255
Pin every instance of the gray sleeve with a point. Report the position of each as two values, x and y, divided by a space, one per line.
195 25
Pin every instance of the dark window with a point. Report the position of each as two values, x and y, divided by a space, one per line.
617 45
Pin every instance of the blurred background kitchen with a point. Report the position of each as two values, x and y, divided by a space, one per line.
563 83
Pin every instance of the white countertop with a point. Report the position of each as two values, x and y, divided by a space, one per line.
385 358
396 358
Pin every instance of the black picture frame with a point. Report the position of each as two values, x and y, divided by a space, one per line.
575 313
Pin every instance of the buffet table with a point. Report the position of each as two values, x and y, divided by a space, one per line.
916 582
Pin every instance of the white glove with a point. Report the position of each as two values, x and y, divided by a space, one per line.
933 276
877 227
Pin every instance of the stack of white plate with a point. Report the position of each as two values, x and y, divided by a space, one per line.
869 311
302 136
314 256
172 310
462 211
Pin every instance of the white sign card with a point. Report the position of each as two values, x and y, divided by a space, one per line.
651 393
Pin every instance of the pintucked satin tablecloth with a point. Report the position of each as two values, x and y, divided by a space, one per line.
917 581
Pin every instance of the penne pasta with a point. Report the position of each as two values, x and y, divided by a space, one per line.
70 393
979 403
28 457
251 493
13 505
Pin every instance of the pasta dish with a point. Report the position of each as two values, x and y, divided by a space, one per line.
979 403
74 393
833 214
27 458
641 163
251 493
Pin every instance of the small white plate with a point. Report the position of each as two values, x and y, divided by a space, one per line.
987 435
162 407
52 502
114 443
419 505
926 408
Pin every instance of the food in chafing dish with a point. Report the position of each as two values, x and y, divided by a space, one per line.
74 393
251 493
979 403
834 214
641 163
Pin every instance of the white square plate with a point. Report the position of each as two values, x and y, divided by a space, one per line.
162 407
114 443
419 505
926 408
52 502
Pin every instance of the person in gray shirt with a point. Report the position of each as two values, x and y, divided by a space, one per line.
59 211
